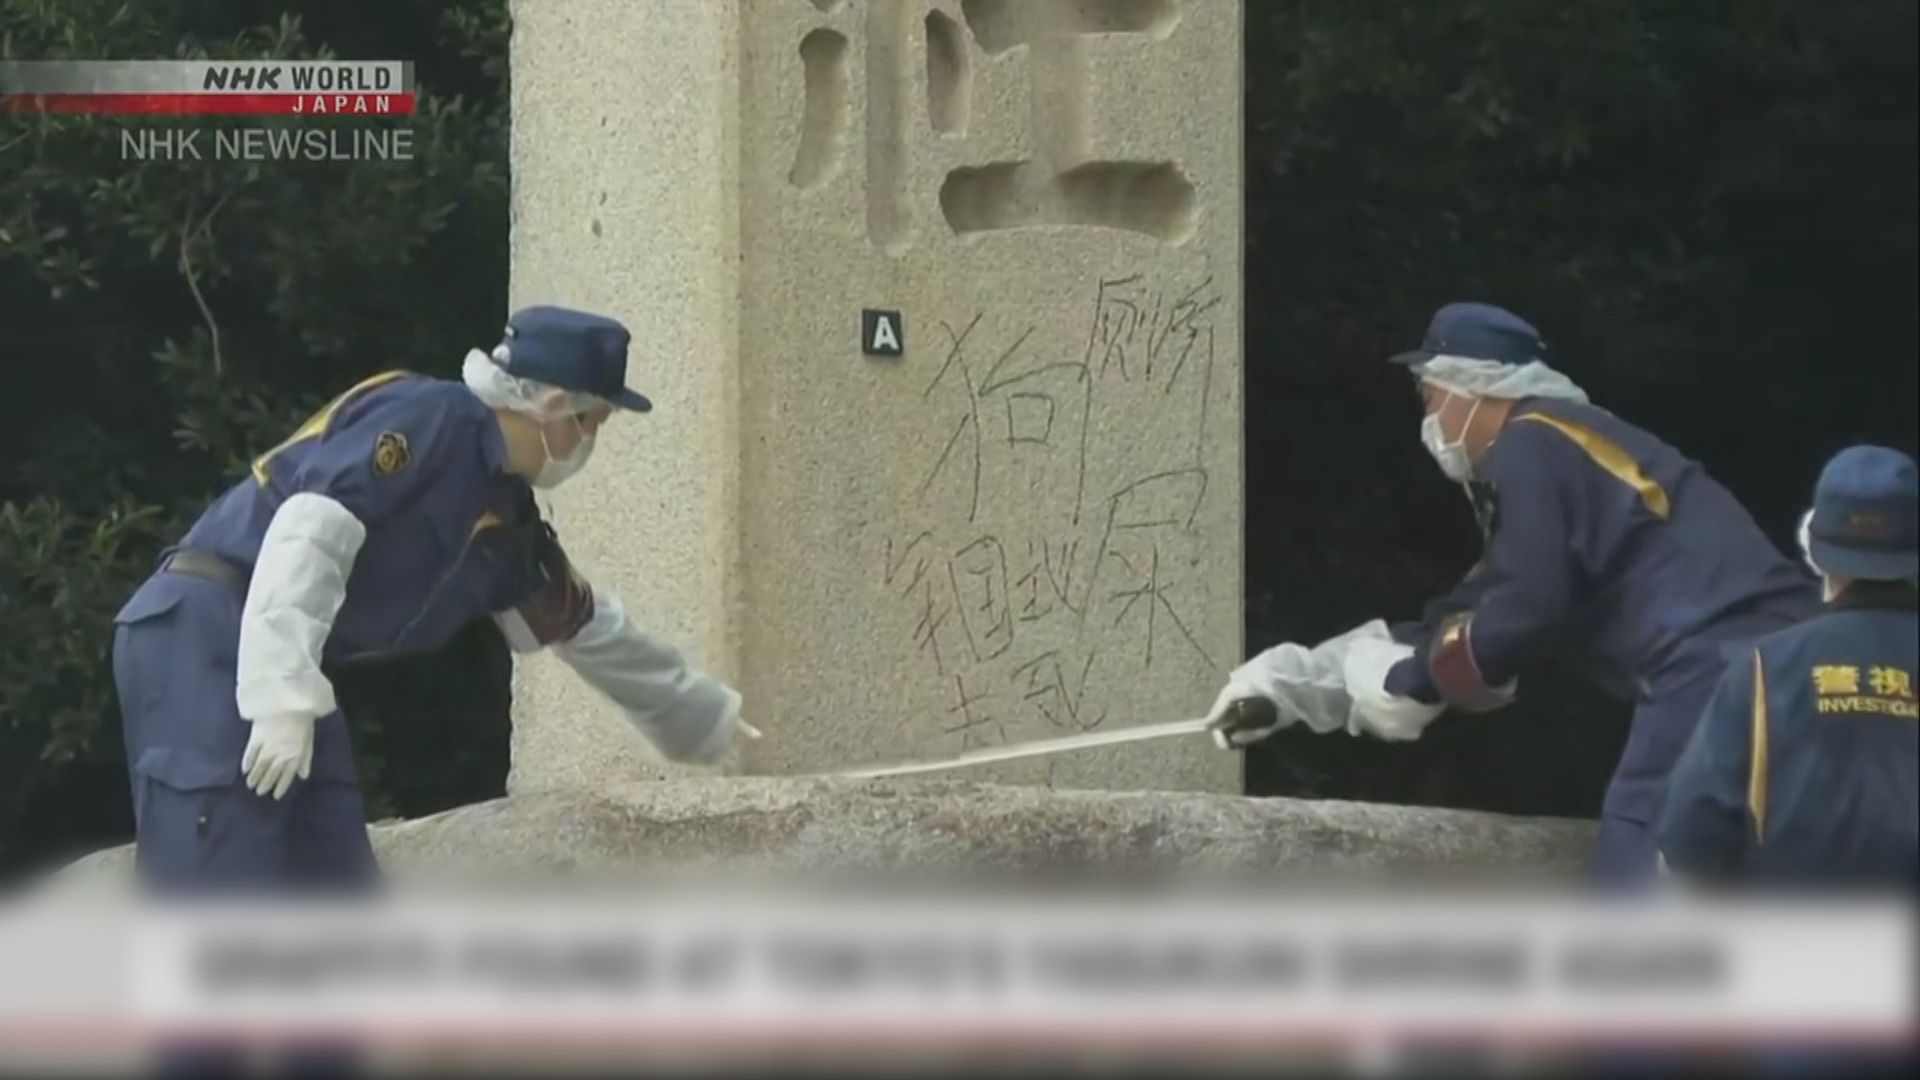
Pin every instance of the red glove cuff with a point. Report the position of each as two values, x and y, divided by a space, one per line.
1456 674
564 601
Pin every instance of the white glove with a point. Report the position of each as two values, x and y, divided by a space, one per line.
689 717
736 733
1303 685
725 738
279 749
719 746
1242 716
1376 712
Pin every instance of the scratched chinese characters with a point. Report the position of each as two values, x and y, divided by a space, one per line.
1047 553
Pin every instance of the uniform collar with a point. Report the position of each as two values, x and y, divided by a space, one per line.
493 442
1515 410
1876 596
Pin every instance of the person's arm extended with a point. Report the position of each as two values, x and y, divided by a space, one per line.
686 715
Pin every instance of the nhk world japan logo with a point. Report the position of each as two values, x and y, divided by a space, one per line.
364 88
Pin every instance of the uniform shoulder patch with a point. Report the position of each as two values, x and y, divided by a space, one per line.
390 453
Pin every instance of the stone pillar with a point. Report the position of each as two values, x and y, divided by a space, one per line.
1027 522
625 164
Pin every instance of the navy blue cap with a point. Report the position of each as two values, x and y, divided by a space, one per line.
1477 332
572 350
1864 508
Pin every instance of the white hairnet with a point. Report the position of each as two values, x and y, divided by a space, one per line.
1806 543
1488 378
492 384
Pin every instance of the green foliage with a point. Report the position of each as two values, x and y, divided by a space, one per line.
166 320
480 32
1579 160
1707 207
51 674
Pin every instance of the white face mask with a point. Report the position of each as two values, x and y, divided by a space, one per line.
555 471
1450 456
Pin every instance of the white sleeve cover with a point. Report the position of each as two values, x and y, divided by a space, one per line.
1376 712
299 582
688 716
513 626
1307 685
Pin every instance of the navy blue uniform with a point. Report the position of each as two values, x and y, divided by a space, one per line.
451 536
1806 768
1607 547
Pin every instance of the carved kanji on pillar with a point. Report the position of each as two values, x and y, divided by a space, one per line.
823 133
1065 185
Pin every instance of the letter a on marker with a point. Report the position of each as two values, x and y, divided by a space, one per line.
881 333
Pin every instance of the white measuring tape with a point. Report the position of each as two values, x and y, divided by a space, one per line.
1037 748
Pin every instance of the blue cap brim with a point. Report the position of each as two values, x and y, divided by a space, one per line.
632 401
1853 562
1411 359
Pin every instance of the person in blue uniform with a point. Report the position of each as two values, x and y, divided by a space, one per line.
395 516
1805 770
1604 547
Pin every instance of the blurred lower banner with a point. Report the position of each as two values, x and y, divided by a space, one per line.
723 973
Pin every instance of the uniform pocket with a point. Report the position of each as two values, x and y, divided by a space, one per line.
180 793
145 652
187 769
150 601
